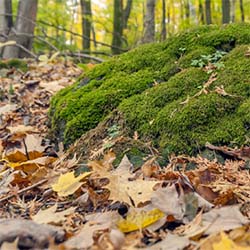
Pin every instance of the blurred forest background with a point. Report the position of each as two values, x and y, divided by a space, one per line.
104 27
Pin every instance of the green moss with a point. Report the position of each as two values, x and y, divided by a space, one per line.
186 60
155 88
14 63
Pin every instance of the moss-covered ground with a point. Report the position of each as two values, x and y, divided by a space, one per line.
158 90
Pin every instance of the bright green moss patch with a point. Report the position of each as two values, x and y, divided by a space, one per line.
157 91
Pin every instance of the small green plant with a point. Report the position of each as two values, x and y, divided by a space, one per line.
182 50
114 131
11 90
210 59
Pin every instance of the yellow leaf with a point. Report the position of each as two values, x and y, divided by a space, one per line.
43 58
139 219
228 244
67 184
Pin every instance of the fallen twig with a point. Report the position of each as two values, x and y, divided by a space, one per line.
23 190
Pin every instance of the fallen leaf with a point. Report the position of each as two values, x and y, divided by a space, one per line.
223 219
121 189
50 216
139 219
67 184
10 245
21 129
171 242
7 108
227 244
96 222
169 201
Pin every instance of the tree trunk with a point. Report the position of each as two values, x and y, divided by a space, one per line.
225 11
127 12
23 31
242 13
5 20
187 11
149 22
208 11
117 27
163 22
86 24
201 13
233 11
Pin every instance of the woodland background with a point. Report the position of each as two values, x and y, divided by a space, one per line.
105 27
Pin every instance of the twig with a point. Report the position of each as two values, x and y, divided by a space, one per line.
26 150
97 59
23 190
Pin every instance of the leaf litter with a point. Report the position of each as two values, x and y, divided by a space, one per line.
62 203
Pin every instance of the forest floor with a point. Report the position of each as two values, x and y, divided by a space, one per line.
49 200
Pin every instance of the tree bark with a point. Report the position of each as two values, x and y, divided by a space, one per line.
233 11
86 23
5 20
208 11
187 11
149 22
242 13
225 11
126 13
117 27
201 13
163 22
23 30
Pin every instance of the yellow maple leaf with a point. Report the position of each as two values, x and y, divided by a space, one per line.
67 183
136 220
228 244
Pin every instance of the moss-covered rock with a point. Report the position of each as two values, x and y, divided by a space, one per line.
158 92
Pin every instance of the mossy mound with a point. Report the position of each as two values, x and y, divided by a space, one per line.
157 89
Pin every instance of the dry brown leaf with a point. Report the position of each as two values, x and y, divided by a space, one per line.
50 216
223 219
169 201
96 222
171 242
21 129
10 245
7 108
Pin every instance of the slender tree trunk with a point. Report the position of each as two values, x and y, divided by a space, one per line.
86 23
94 35
163 22
242 13
201 13
149 22
117 27
233 11
208 11
23 30
5 20
225 11
187 11
126 13
182 9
